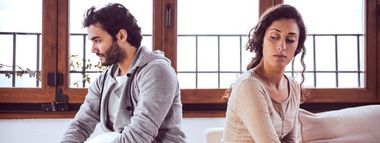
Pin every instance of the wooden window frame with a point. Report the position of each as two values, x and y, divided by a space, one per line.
49 42
55 40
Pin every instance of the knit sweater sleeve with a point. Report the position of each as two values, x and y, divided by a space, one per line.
253 109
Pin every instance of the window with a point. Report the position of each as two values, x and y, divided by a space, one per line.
20 41
340 50
27 51
340 43
340 76
208 53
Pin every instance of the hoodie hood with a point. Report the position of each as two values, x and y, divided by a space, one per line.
143 56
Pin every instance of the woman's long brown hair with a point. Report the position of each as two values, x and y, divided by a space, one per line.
257 33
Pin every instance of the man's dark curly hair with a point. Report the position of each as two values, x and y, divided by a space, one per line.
112 18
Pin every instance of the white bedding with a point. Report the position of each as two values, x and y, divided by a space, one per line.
350 125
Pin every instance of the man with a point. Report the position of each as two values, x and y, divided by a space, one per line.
138 95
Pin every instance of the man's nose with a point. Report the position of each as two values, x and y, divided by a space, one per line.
94 49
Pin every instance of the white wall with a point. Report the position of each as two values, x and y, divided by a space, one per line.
50 130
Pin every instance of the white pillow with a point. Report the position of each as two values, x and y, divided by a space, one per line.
213 135
105 137
350 125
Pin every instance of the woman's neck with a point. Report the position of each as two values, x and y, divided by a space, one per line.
273 76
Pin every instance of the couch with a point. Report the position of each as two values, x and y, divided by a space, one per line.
350 125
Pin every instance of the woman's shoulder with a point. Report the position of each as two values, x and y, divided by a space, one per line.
248 81
248 78
247 88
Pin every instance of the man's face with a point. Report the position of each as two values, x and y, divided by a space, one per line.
108 50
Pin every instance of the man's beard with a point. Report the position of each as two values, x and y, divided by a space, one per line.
113 55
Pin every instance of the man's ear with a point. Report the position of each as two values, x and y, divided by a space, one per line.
122 35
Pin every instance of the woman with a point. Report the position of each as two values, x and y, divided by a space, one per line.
264 102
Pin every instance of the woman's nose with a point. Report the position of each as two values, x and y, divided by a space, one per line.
281 45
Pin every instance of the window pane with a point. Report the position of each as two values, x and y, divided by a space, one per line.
325 53
227 79
84 65
20 60
309 80
211 39
6 60
246 55
348 80
208 53
14 14
207 80
336 36
188 78
326 80
347 20
348 53
187 50
230 47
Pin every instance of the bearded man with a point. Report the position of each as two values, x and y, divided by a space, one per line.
137 97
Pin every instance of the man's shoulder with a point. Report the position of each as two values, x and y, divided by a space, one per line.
159 70
158 64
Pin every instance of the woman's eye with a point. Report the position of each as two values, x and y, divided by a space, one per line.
274 37
289 41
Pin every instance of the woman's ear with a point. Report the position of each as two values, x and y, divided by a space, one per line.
122 35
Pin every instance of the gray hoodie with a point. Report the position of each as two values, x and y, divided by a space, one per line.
150 108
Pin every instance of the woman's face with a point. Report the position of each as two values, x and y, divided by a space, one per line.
280 43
